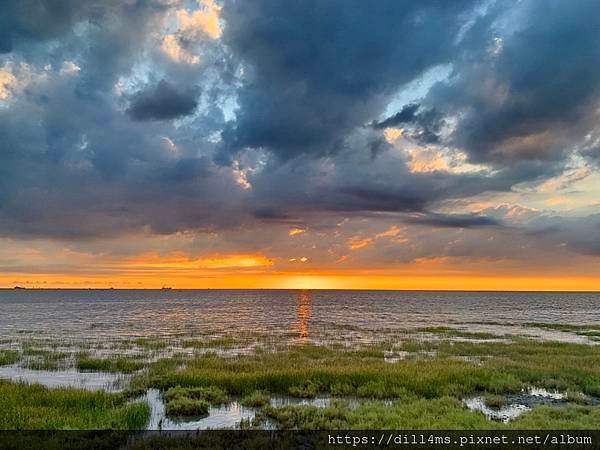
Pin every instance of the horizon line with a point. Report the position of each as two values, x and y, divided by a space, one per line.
19 288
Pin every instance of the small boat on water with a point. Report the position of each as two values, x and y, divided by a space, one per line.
166 288
19 287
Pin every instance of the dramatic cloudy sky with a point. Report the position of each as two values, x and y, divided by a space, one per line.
268 143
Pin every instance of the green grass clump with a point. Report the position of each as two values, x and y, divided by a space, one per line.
593 333
193 401
124 365
184 406
211 394
43 359
33 407
566 417
416 413
308 390
8 357
342 390
308 417
577 397
257 399
380 390
225 342
151 344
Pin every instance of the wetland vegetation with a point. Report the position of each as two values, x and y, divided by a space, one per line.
416 379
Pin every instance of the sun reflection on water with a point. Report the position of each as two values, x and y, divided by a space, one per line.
304 308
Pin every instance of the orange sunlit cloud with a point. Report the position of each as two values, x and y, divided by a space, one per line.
217 261
357 242
391 134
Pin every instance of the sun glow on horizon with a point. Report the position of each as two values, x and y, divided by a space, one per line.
244 280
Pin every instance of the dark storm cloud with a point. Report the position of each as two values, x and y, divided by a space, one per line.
304 87
71 165
453 220
163 102
33 21
406 115
39 20
316 70
387 187
531 91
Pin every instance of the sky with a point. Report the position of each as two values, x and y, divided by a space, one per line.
318 144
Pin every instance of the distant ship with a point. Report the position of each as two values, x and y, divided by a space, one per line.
166 288
19 287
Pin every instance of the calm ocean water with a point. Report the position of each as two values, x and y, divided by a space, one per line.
116 314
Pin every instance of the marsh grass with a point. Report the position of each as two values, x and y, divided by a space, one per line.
426 391
410 413
423 414
151 344
8 357
307 390
307 371
115 364
192 401
183 406
590 331
45 359
453 332
212 395
257 399
562 326
32 407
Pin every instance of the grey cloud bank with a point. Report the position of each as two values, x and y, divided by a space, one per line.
103 132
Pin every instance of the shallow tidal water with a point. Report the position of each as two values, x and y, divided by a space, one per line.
104 323
308 316
71 378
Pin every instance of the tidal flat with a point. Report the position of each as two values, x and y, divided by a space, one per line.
441 379
187 360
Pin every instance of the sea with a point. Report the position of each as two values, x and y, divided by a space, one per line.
305 315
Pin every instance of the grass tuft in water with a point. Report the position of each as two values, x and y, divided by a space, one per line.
118 364
193 401
308 390
184 406
257 399
8 357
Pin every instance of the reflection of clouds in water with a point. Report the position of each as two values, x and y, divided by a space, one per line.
304 300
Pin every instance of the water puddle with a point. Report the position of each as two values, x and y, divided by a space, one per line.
319 402
221 417
544 393
91 381
516 404
504 414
